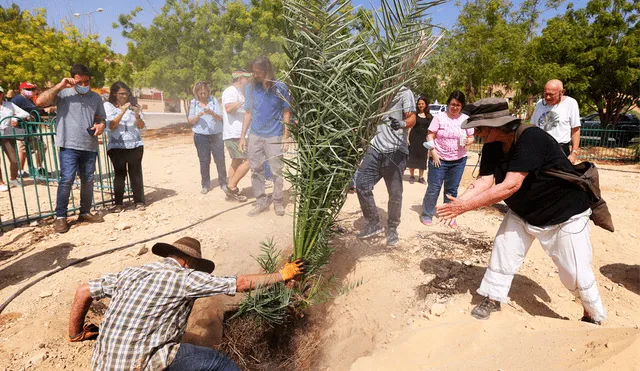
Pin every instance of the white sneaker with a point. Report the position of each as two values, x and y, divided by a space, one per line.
3 188
15 183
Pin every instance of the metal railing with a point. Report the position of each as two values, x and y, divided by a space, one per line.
34 197
600 145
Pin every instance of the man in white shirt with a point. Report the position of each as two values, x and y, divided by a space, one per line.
232 116
558 115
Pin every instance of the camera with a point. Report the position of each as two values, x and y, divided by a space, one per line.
133 101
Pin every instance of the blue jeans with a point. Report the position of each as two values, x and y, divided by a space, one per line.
194 358
376 166
72 162
206 146
449 172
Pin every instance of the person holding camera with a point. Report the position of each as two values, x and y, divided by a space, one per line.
125 148
79 123
205 115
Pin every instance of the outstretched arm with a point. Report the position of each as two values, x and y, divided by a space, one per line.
251 281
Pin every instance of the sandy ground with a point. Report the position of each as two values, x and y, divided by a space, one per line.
405 308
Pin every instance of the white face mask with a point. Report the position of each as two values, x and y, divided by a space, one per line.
82 89
27 93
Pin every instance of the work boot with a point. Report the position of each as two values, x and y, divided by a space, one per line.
91 218
484 309
392 236
370 230
279 209
257 210
60 225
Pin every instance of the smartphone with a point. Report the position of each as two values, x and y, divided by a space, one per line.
91 131
133 101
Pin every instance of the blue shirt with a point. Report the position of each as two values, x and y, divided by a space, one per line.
127 134
266 108
207 124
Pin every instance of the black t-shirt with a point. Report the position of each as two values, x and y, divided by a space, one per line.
542 199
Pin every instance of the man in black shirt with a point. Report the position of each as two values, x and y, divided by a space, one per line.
540 206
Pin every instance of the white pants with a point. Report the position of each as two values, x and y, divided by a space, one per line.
567 244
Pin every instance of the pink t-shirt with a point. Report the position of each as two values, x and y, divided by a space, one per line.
448 133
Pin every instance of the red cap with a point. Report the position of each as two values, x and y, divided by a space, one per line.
26 85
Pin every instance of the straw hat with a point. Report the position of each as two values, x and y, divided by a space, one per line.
186 245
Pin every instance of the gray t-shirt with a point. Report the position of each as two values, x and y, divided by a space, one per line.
77 113
388 140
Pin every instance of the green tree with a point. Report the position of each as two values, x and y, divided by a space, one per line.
37 52
192 40
595 51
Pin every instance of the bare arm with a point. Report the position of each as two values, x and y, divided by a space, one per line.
575 145
246 121
81 303
251 281
46 98
232 107
497 193
194 119
478 186
410 119
113 124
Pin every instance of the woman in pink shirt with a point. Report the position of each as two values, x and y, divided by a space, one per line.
448 143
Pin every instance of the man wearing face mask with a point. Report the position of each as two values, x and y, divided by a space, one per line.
80 121
24 100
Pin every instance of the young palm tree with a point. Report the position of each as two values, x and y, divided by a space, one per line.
342 82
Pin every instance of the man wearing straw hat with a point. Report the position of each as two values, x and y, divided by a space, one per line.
540 206
150 306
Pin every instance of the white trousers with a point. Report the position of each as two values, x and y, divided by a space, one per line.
567 244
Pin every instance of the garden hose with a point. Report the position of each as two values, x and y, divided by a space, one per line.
51 273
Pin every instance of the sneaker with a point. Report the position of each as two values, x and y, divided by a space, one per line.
392 237
412 179
140 206
268 183
484 309
91 218
422 181
3 188
234 194
279 209
60 225
24 174
370 230
42 172
257 210
590 320
426 221
15 183
117 209
204 190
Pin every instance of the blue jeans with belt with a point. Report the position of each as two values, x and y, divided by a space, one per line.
72 162
449 173
207 146
195 358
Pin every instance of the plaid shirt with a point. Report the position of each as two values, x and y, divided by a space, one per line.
148 313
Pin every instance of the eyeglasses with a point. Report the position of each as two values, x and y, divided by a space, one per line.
29 89
123 94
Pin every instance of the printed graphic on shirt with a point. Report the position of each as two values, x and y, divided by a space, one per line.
548 121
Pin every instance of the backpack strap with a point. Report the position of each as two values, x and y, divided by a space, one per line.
521 129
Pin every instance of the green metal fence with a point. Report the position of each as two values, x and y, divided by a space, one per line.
601 145
34 197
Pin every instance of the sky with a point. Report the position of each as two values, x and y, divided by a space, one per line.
100 22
